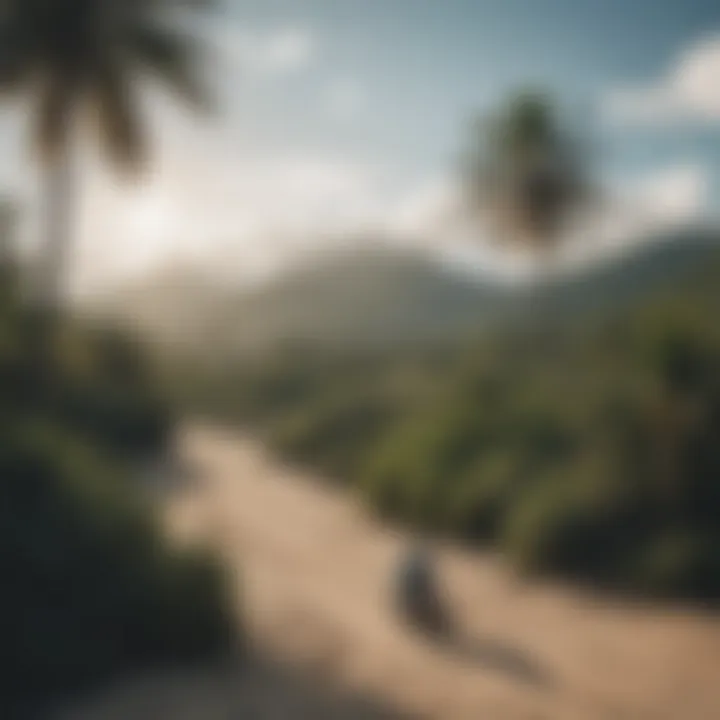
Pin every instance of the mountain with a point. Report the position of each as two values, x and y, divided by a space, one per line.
373 296
381 296
655 266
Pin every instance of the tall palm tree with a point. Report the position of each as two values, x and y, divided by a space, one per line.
526 176
78 60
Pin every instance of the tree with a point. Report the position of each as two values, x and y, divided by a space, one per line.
78 59
525 173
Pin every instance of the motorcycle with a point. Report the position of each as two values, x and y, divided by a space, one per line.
421 605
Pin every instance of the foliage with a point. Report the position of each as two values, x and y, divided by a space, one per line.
110 393
585 450
526 172
90 589
87 53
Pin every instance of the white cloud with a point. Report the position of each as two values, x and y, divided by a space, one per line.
346 99
640 212
676 194
670 197
687 93
245 217
631 215
265 53
239 215
428 212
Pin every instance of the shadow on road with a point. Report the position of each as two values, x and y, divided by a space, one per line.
259 690
171 476
500 657
485 653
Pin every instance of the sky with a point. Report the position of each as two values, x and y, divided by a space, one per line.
341 118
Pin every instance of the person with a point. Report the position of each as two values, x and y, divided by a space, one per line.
419 598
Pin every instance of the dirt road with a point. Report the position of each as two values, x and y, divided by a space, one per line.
315 573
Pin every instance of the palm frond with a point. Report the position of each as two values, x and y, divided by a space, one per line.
117 117
527 172
175 58
187 4
53 115
14 50
65 52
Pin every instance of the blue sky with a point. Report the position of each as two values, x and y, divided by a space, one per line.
345 116
427 65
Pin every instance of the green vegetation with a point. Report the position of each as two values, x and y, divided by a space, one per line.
585 446
90 590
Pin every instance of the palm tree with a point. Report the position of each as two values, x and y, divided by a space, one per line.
525 174
78 60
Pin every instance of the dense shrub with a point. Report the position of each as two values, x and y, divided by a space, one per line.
109 393
90 590
334 437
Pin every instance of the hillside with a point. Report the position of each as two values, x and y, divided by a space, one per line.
578 434
383 297
649 269
371 297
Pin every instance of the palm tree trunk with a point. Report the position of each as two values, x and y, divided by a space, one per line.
50 282
59 196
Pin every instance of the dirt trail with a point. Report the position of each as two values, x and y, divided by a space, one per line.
315 573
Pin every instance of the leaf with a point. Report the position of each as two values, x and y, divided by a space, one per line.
174 58
118 120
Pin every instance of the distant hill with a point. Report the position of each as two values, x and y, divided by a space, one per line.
650 268
369 297
379 296
372 296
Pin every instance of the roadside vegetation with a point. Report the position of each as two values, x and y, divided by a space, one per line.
91 590
589 450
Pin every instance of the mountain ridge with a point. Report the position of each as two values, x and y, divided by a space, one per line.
383 296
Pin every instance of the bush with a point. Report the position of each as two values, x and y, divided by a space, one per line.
335 436
478 508
679 563
552 531
89 589
110 395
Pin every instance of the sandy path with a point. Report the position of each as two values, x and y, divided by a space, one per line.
315 572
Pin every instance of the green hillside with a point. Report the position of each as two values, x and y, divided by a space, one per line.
379 298
588 448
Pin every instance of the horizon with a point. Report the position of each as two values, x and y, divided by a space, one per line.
467 265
